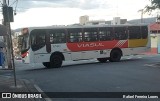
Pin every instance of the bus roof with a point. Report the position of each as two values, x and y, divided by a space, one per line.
83 26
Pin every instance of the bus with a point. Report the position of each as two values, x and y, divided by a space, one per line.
53 45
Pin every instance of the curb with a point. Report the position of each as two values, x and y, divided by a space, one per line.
5 69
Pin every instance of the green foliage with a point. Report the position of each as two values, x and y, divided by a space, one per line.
155 4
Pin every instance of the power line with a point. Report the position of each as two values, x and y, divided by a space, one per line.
142 12
15 11
14 2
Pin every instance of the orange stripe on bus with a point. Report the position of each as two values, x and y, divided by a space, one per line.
99 45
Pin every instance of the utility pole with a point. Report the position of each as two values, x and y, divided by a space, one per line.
142 12
7 24
158 18
10 56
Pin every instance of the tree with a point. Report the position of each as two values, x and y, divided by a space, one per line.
155 5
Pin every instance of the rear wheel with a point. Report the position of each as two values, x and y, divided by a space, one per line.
115 56
56 61
102 60
46 64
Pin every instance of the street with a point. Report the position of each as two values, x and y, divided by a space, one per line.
133 74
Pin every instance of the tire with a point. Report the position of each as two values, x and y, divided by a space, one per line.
46 64
115 56
55 61
102 60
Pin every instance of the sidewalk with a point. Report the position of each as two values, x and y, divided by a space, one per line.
7 85
149 53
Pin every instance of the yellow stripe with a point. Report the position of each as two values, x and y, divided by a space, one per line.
137 42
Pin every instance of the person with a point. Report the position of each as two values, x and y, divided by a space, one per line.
2 57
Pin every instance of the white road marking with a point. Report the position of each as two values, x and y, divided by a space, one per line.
40 90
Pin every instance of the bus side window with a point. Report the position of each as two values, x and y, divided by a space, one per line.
144 31
134 32
120 33
90 34
105 34
57 36
75 35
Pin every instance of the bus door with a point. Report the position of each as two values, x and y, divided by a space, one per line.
38 45
74 39
48 43
90 38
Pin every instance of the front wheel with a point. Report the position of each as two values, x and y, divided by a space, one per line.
56 61
115 56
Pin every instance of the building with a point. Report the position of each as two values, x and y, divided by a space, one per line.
116 21
3 32
155 36
123 21
83 19
16 50
96 22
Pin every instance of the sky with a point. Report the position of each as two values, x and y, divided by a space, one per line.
31 13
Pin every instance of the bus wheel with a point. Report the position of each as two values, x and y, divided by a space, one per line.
46 64
56 61
115 56
102 60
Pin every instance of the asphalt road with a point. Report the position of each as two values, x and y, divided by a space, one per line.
133 74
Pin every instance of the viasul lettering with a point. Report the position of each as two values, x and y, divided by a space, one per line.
90 45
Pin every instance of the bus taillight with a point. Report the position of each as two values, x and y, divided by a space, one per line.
24 54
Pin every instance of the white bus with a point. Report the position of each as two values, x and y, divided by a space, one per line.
52 46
